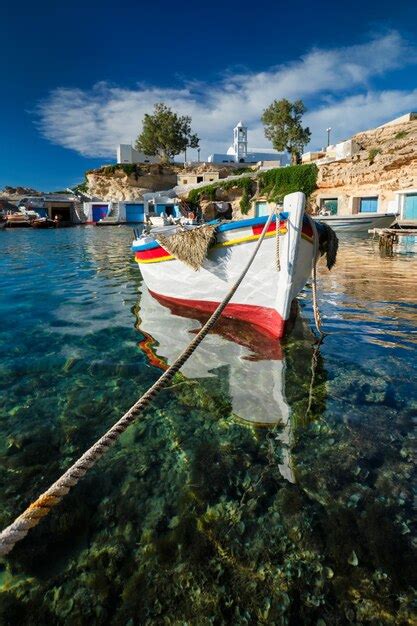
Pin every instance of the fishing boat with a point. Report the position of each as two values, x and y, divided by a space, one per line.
358 223
278 273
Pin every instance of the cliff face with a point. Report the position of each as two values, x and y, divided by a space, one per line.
130 183
386 163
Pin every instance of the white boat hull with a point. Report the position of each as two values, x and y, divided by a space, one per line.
359 223
264 299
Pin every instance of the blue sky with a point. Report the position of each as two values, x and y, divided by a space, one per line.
77 79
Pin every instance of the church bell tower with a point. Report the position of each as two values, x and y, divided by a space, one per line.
240 142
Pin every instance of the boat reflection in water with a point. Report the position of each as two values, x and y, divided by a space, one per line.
253 364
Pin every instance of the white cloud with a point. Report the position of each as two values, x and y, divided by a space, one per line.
92 122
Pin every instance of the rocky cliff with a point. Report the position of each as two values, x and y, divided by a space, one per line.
130 182
386 163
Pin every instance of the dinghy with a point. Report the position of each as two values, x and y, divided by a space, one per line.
175 271
358 223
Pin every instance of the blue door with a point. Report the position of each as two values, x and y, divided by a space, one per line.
135 213
262 209
368 205
99 211
410 207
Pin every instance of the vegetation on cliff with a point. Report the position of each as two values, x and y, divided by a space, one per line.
273 184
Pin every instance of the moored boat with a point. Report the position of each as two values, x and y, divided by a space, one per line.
17 220
279 272
358 223
43 222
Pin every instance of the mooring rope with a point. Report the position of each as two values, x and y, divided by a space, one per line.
316 312
277 236
52 496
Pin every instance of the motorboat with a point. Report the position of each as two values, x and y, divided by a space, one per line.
358 223
43 222
18 220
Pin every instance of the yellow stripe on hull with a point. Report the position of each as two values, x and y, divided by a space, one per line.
225 244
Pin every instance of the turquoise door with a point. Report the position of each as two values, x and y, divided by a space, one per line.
135 213
410 207
368 205
262 209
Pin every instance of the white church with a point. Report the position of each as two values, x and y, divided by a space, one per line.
238 151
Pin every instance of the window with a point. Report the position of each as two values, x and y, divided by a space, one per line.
200 179
368 205
329 206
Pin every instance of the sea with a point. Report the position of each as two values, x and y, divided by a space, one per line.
268 484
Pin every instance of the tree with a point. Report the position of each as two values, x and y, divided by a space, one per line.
282 122
165 133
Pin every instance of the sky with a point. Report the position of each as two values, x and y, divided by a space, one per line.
77 78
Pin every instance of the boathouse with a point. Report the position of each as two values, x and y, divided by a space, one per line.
63 206
95 211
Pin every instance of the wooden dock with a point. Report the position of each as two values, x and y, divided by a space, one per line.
389 236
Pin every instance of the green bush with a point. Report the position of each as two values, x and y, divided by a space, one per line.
208 192
278 182
401 134
127 168
372 154
82 187
274 184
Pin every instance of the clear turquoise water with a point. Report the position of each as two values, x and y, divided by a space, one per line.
260 488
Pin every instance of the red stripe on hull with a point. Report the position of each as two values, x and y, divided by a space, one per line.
153 253
267 321
257 230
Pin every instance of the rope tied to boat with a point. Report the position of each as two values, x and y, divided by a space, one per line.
277 235
38 509
316 311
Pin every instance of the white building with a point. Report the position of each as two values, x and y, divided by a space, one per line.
239 153
127 154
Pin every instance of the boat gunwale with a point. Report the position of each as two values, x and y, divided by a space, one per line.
236 225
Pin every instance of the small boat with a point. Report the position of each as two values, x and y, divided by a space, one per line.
358 223
279 272
17 220
43 222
